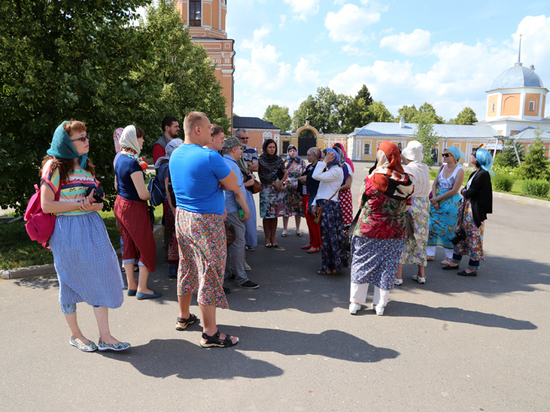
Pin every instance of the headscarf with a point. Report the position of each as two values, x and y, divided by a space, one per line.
315 151
485 160
269 165
336 160
456 152
130 146
347 159
388 177
116 138
170 147
289 159
63 148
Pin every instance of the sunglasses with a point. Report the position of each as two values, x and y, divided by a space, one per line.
82 139
446 154
243 138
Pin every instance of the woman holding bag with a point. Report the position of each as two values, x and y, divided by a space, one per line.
85 261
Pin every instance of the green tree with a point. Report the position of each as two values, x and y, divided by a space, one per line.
509 154
424 114
379 112
365 95
408 113
88 61
326 110
467 117
279 116
535 165
425 134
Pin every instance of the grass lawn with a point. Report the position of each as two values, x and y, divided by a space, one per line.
17 250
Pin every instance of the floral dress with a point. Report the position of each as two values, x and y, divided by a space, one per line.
378 239
293 199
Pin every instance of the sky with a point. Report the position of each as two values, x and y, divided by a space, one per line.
407 52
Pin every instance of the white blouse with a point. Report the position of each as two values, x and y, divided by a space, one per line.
420 174
331 181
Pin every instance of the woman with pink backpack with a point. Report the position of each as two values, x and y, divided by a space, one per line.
85 261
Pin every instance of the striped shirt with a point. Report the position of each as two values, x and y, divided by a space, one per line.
73 190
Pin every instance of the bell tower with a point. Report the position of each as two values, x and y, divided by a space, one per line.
206 22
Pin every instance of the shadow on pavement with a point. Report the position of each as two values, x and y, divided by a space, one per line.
163 358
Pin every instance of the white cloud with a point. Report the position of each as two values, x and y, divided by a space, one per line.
303 8
256 38
305 75
535 31
283 20
416 43
349 23
354 51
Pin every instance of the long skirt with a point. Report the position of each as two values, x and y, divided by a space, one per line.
203 247
346 205
313 228
414 250
472 246
173 256
135 228
272 203
293 200
375 261
334 255
443 221
85 261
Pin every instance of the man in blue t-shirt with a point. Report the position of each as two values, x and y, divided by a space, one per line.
235 202
197 175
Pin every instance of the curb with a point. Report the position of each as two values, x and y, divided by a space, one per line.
47 270
523 200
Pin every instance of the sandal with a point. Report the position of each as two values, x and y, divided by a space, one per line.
445 262
430 258
284 234
306 247
215 342
313 250
275 244
268 245
321 272
183 323
299 234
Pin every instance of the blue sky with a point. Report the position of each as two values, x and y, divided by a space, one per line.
406 52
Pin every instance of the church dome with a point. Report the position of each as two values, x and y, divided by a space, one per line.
517 76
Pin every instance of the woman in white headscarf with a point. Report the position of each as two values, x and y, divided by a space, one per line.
132 214
414 250
163 176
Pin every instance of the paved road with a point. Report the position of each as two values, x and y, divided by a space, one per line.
453 344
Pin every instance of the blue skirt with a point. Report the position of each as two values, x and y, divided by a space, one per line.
86 263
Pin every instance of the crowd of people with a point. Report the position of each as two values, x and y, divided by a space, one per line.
208 184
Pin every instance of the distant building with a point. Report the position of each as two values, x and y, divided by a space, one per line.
206 22
258 131
515 109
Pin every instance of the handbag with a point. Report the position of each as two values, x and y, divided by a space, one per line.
351 229
320 209
409 226
230 233
256 187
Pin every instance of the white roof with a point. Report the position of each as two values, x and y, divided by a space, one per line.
448 131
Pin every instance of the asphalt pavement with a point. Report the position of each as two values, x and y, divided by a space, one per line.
452 344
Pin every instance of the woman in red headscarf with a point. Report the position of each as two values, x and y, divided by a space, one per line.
380 232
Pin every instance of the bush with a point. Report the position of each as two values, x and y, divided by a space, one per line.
532 187
503 182
500 160
515 172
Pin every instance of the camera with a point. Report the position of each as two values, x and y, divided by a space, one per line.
98 194
459 236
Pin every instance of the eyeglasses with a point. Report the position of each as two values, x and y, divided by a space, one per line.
446 154
244 138
82 139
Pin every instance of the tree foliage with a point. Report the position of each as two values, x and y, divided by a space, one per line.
535 165
425 134
424 114
509 154
466 117
87 60
379 112
279 116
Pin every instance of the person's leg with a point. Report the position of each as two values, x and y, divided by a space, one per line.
130 275
421 272
298 220
184 302
358 293
449 254
236 250
267 230
69 311
142 282
455 260
430 252
209 326
473 266
273 223
399 274
102 317
285 225
383 296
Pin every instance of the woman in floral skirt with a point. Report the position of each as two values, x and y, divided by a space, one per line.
293 200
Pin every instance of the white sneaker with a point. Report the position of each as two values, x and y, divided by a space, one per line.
398 282
353 308
379 311
247 267
419 279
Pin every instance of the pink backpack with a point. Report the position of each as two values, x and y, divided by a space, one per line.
39 225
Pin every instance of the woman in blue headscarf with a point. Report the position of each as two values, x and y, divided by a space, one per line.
476 204
331 176
85 261
444 204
